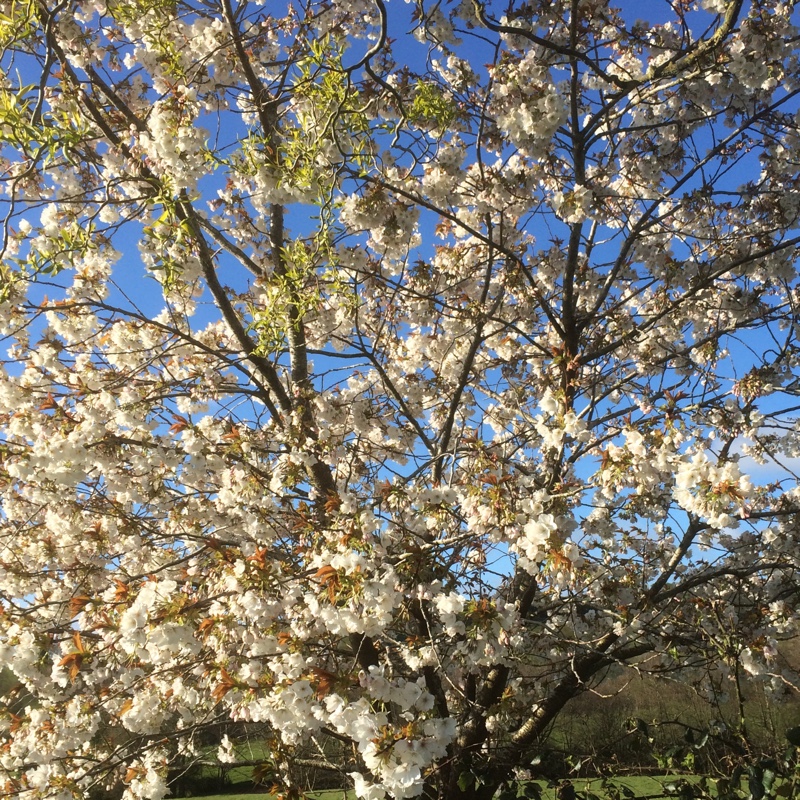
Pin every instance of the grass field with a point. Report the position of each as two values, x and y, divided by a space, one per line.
640 786
327 795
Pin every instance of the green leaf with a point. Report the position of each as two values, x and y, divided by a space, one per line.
465 781
532 790
566 791
793 735
755 783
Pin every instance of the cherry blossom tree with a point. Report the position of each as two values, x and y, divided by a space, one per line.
380 375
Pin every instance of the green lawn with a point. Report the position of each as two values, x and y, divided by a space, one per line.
333 794
641 786
637 785
248 796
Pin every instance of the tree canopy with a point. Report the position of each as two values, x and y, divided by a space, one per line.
382 374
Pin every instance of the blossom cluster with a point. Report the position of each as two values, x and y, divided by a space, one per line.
371 400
